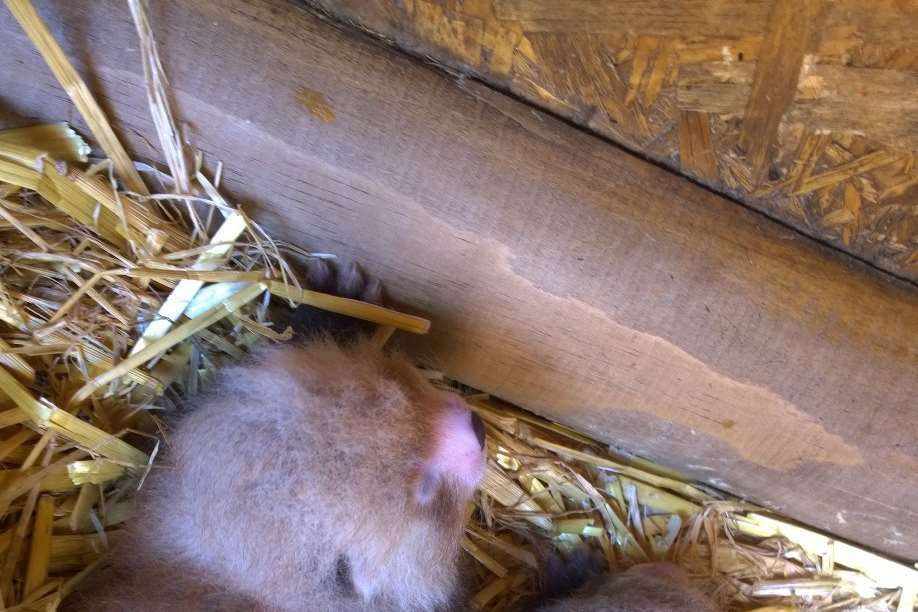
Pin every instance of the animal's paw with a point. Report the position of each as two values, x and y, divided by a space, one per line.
351 282
566 574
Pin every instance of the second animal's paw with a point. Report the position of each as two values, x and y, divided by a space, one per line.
566 574
351 282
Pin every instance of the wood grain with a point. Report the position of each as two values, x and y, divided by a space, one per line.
696 153
788 36
841 100
655 17
628 69
561 273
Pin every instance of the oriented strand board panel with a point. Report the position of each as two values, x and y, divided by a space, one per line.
561 273
806 110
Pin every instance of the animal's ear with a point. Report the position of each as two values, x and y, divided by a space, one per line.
456 453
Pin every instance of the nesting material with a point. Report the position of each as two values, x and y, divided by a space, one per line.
121 283
550 489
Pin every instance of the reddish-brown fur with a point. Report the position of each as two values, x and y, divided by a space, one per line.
314 478
651 587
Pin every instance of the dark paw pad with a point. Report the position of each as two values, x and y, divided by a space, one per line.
564 575
350 282
354 283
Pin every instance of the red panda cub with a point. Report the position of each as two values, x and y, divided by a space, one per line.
312 477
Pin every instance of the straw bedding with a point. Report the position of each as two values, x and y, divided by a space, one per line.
123 286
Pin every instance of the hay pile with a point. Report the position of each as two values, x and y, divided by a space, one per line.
122 284
548 487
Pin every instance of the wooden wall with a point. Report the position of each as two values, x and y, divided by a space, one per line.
803 109
560 272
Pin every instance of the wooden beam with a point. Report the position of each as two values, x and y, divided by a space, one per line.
561 273
619 69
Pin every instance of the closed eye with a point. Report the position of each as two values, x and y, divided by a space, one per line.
343 580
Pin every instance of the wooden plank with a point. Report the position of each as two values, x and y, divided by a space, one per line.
696 153
656 17
879 22
788 37
719 87
855 167
850 100
561 273
569 56
844 100
551 66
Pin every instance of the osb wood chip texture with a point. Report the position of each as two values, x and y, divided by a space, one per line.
561 273
804 109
